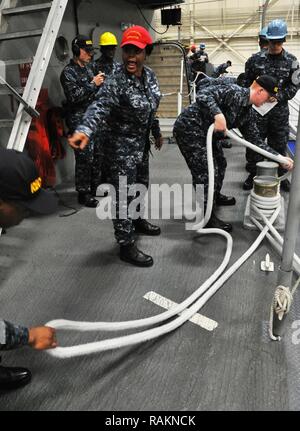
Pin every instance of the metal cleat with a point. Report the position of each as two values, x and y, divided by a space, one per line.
267 265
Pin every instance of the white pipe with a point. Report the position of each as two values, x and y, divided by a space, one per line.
179 101
293 128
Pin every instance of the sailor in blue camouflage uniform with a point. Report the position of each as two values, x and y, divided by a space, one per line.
274 125
12 336
262 39
227 106
80 84
20 193
210 81
207 82
108 65
126 107
198 61
221 69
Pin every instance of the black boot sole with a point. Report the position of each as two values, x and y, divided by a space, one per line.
136 263
87 204
90 206
141 232
224 204
16 384
229 229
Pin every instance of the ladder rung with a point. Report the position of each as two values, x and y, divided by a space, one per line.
21 34
13 62
26 9
6 123
4 90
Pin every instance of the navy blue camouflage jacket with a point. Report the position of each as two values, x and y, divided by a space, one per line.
12 336
210 81
125 107
104 66
79 90
280 66
230 100
220 69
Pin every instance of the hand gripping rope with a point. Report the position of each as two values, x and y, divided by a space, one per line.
190 305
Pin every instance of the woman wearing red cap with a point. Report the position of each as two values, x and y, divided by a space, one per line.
126 108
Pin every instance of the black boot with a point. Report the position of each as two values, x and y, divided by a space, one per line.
225 200
130 253
94 191
143 226
285 186
87 200
14 377
215 223
248 184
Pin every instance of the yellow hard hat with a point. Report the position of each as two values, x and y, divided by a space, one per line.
107 38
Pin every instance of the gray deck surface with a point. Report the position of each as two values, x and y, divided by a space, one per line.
68 268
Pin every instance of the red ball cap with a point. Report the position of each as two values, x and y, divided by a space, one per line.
137 36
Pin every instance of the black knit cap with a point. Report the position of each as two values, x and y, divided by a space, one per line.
21 183
269 83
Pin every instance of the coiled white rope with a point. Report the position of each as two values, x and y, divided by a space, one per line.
282 301
282 296
198 298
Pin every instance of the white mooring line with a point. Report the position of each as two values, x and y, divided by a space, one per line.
167 304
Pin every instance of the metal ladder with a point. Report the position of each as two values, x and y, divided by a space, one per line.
40 63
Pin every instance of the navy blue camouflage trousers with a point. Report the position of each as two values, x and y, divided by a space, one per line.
135 173
192 145
88 164
275 127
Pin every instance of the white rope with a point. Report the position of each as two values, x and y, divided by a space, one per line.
194 301
260 209
282 301
65 352
281 304
263 207
280 159
282 296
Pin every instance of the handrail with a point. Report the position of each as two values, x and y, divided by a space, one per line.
181 48
29 109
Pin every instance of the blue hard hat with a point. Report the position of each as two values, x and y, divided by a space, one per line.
202 45
277 29
263 33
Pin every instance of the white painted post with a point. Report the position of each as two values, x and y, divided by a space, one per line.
179 108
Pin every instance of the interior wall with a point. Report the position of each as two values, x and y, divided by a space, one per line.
205 21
